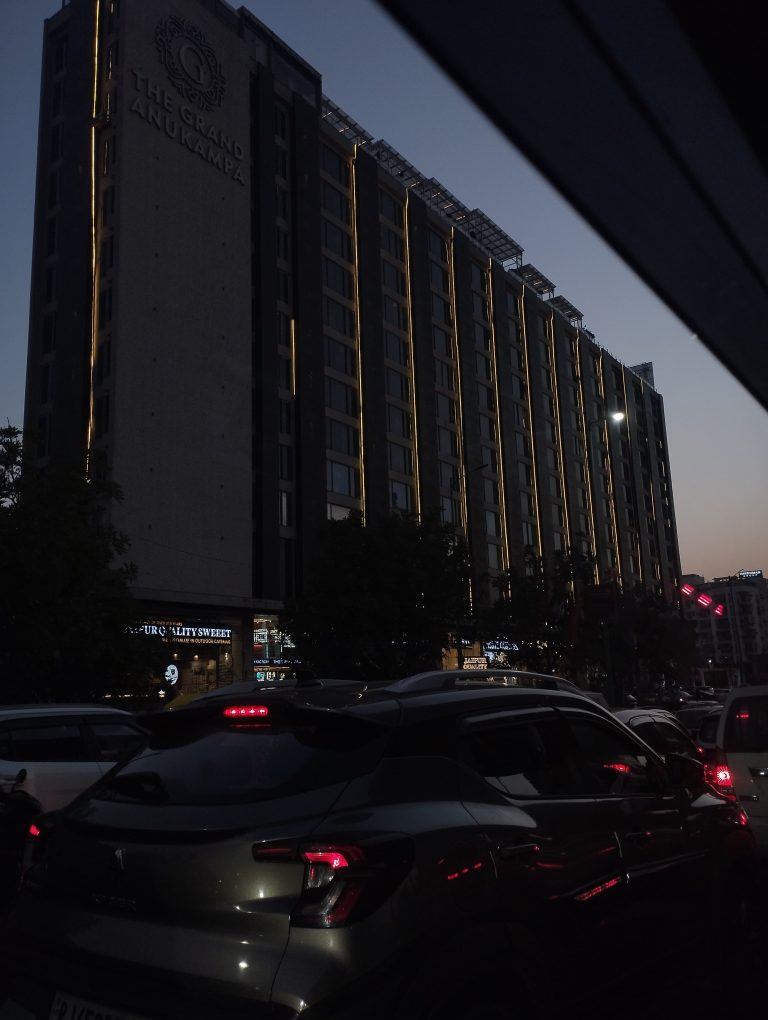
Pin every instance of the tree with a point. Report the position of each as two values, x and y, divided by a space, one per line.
66 613
379 600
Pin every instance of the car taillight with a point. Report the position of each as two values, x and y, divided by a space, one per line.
33 830
246 712
719 776
342 881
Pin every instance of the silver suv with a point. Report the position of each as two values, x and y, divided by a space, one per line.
449 846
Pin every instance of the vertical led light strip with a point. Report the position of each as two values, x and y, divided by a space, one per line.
585 438
361 420
94 238
636 549
414 411
459 386
611 485
556 398
495 362
293 357
534 458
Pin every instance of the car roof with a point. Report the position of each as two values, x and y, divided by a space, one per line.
746 691
629 715
40 711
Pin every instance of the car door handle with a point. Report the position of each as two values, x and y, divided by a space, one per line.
638 837
511 850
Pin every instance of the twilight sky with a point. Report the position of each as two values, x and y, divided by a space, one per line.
718 434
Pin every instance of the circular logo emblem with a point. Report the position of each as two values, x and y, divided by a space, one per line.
171 674
190 62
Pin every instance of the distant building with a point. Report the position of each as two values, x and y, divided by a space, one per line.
731 629
255 316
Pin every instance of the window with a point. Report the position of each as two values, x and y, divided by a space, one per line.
334 165
446 408
490 459
438 277
103 361
479 279
445 375
42 435
101 416
340 397
529 534
286 417
447 441
335 203
57 100
53 189
449 476
398 421
524 473
281 202
441 310
342 478
400 459
483 366
337 240
555 488
45 384
522 759
746 728
438 246
394 313
523 445
337 278
105 306
396 348
338 317
285 509
482 335
492 523
494 557
281 162
557 516
526 504
390 208
281 122
340 356
48 741
480 307
116 740
521 416
392 243
55 146
392 277
400 496
450 511
49 332
443 342
487 428
341 437
285 461
609 762
108 205
486 398
397 384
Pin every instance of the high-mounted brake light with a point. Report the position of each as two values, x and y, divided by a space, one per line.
742 715
246 712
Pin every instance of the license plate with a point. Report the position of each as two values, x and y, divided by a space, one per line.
67 1007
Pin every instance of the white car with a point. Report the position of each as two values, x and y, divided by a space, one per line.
62 748
739 762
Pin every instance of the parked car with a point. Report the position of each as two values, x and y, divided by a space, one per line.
661 730
738 763
62 748
694 714
443 847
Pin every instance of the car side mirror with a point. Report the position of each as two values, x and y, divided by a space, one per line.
685 771
20 778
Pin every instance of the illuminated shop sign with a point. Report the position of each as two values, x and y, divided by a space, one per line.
179 633
500 646
750 573
475 662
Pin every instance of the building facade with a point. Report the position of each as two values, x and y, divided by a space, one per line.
730 615
255 316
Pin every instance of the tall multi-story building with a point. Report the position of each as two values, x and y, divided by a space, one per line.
730 615
253 316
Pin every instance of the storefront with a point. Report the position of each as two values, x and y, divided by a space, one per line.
200 653
273 653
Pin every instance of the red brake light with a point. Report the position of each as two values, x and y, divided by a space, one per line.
742 715
33 830
334 858
719 776
246 712
618 766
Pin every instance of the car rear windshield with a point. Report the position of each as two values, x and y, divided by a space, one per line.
218 762
747 725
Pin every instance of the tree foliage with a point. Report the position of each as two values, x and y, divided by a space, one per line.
66 613
380 600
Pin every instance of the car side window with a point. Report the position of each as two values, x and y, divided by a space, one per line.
48 741
523 759
116 740
673 741
610 763
708 728
649 733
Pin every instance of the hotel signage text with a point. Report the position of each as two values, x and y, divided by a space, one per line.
180 122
